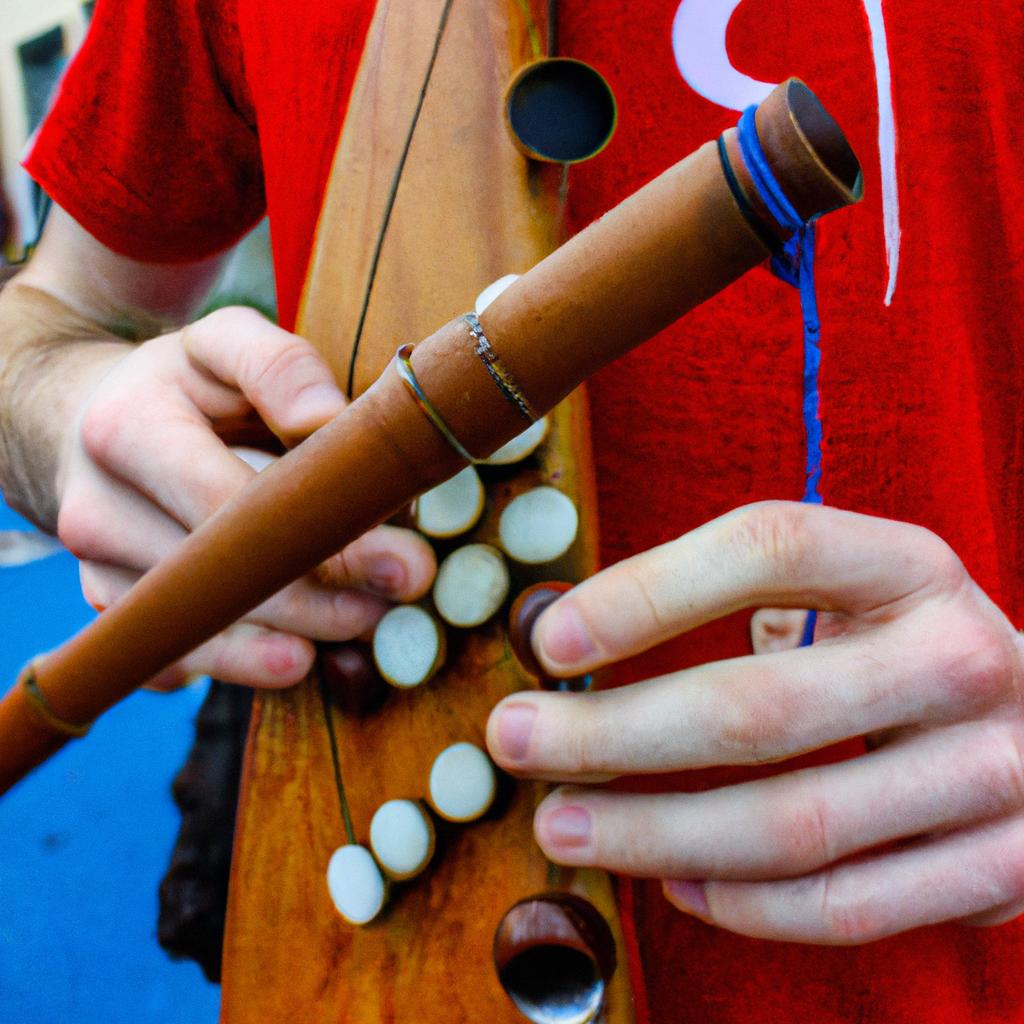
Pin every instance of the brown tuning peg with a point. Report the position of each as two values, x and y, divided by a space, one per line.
351 678
555 955
525 611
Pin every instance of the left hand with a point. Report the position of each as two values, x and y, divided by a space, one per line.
926 826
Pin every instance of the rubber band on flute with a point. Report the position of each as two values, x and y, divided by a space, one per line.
41 706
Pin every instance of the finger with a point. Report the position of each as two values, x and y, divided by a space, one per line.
776 629
771 554
105 520
187 471
304 608
109 522
247 654
760 708
171 457
961 875
396 563
795 823
320 613
282 375
996 916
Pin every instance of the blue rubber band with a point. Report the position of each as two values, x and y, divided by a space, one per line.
794 264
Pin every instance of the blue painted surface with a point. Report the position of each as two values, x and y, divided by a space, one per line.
85 840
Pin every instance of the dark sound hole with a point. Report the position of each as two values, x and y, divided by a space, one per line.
562 111
554 985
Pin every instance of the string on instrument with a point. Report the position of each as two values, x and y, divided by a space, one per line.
531 27
339 783
393 194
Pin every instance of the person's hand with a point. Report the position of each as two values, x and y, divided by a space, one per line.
144 465
926 826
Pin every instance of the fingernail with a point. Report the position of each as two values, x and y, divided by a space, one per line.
688 896
515 724
564 639
387 576
567 826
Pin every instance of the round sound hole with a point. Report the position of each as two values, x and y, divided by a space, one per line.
560 110
554 985
555 954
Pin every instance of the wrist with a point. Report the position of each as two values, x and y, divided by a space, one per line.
51 359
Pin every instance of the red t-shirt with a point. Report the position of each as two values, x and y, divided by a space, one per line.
182 119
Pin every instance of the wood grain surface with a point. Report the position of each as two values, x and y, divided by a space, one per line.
469 209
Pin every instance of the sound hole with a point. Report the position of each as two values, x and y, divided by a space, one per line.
554 985
561 110
555 955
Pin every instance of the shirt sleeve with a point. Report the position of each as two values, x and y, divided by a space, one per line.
151 142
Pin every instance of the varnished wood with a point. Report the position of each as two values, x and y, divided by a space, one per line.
469 210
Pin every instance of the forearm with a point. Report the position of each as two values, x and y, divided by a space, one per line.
51 358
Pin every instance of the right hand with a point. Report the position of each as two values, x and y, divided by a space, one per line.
144 465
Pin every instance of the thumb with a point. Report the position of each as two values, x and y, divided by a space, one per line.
284 378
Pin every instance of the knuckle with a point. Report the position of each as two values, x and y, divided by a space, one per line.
642 582
286 359
221 659
847 920
228 320
638 845
345 566
1002 786
290 608
774 532
203 496
945 571
341 570
103 428
81 526
756 722
352 613
805 836
980 663
201 337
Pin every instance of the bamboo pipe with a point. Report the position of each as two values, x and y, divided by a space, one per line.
661 252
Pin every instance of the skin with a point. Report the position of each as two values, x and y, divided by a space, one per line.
926 825
119 445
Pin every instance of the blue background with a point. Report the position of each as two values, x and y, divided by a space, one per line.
85 840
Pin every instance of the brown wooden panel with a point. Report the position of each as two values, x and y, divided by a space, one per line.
469 210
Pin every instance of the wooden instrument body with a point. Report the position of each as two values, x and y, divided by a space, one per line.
469 209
